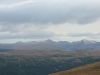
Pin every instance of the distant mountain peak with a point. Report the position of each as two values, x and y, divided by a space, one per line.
49 40
19 42
87 41
54 45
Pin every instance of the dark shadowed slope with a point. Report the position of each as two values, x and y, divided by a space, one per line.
91 69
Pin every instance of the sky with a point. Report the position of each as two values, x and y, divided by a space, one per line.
66 20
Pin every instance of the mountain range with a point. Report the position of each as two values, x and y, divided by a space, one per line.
52 45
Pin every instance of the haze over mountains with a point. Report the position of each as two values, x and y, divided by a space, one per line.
52 45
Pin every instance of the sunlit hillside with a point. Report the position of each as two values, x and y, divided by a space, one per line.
91 69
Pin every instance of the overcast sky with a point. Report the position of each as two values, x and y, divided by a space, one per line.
70 20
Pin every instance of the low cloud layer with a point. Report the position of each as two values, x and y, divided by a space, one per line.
91 35
36 35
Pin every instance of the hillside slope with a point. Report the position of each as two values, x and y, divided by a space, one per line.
91 69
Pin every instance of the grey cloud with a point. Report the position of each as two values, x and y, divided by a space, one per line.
50 12
10 1
24 31
17 15
26 35
91 35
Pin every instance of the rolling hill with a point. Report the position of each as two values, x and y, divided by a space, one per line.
90 69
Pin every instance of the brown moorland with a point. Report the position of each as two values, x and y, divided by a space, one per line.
90 69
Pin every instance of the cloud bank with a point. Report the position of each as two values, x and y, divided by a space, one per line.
30 19
50 11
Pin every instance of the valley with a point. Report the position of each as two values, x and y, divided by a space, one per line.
21 62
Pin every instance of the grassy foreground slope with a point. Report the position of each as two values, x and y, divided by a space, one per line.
91 69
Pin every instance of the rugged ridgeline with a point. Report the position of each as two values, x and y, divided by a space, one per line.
52 45
90 69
